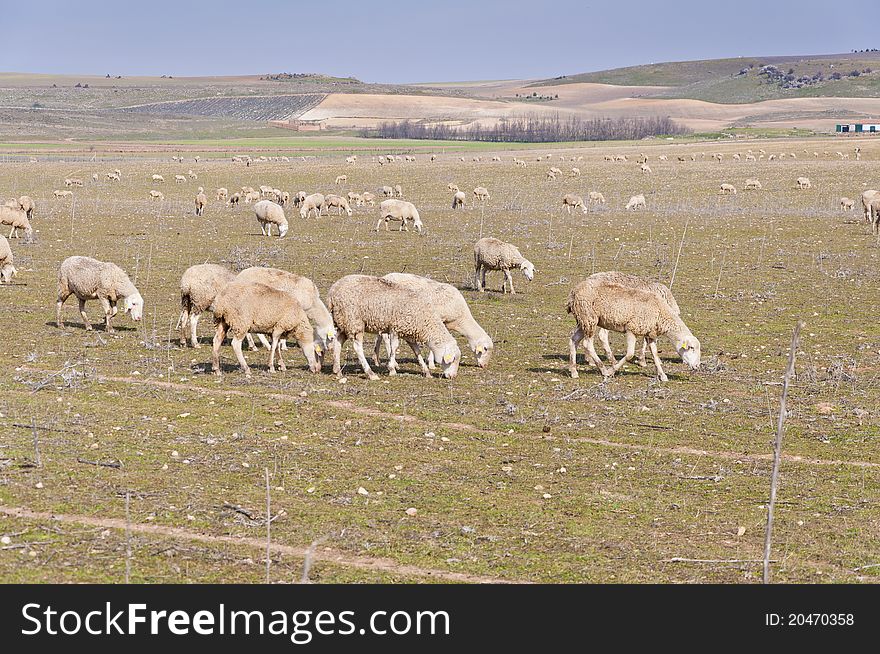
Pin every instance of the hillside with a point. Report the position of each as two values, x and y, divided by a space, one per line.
747 79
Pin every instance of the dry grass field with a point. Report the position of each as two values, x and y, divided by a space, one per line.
517 472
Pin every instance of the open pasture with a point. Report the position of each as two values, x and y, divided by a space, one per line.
517 472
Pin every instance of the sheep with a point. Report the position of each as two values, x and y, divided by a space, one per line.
62 194
369 198
285 199
252 196
113 177
480 193
158 179
338 202
191 174
875 214
645 168
341 179
90 279
363 303
556 171
551 176
608 157
199 286
803 183
179 179
398 191
753 184
234 199
26 204
268 213
399 210
493 254
736 156
750 157
451 308
570 200
306 293
662 157
596 197
157 195
575 172
846 204
356 198
95 177
636 202
728 189
298 198
453 188
458 199
7 270
201 201
244 306
599 303
350 160
265 191
16 219
313 202
867 196
386 191
222 193
72 182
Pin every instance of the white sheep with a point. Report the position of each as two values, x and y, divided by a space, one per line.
63 194
199 286
179 179
90 279
481 194
158 179
16 219
803 183
867 197
458 199
494 254
222 193
596 197
637 313
386 191
341 179
268 213
399 211
363 304
575 172
847 204
570 200
752 183
7 270
313 202
728 189
157 195
336 201
201 201
645 168
244 306
636 202
369 198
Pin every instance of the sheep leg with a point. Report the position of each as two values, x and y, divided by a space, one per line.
108 314
417 349
182 323
606 345
630 351
82 312
264 341
576 337
307 344
653 345
509 276
193 331
594 358
432 365
219 336
337 354
483 272
236 347
358 343
250 341
272 353
391 343
477 281
60 302
377 349
642 361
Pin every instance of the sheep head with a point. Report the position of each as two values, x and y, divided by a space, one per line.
483 351
448 355
134 306
528 269
688 348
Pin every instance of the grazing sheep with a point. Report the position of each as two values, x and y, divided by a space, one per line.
199 286
575 172
201 201
728 189
846 204
452 187
157 195
662 157
386 191
16 219
63 194
268 213
636 202
158 179
458 199
399 210
337 201
551 176
493 254
356 198
803 182
452 309
222 193
251 196
364 304
351 160
244 306
398 191
875 214
570 200
234 199
867 196
179 179
596 197
90 279
73 182
298 198
26 204
7 270
113 177
480 193
598 303
191 174
753 184
369 198
313 202
341 179
645 168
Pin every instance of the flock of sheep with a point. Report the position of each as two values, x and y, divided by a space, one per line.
276 305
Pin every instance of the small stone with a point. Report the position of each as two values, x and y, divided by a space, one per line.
184 415
310 489
363 491
547 496
5 540
175 453
39 484
278 423
825 408
741 531
411 511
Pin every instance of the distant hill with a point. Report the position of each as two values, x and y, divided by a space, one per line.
748 79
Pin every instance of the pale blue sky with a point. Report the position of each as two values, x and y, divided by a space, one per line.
406 41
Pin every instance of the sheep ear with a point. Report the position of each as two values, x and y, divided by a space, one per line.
448 358
480 349
684 345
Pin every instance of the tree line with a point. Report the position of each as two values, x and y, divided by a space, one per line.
534 129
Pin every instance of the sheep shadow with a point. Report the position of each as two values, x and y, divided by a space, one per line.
97 328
